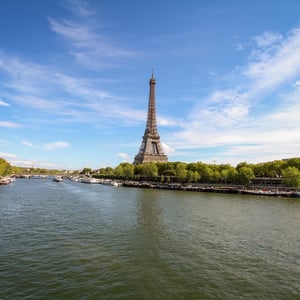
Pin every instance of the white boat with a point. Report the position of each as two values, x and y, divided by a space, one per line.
5 180
58 179
89 180
111 182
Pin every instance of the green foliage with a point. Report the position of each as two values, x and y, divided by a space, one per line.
124 170
293 162
149 169
291 177
181 172
86 171
245 175
5 167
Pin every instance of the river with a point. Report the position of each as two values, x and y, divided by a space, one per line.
72 240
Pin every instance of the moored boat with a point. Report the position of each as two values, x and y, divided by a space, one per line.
58 179
89 180
295 194
4 181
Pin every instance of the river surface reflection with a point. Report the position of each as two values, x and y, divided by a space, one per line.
77 241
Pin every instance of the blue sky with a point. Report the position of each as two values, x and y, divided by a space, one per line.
74 80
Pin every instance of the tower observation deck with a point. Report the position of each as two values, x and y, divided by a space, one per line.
151 149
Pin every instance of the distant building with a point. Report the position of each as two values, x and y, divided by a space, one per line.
151 149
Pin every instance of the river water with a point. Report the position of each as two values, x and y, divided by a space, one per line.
71 240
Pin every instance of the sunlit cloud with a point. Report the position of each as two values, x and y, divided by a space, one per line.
8 124
270 67
228 118
91 48
267 38
167 149
124 156
56 146
7 155
80 7
3 103
79 100
26 143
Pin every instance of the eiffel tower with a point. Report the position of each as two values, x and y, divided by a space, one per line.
151 149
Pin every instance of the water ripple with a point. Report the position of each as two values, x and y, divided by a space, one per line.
77 241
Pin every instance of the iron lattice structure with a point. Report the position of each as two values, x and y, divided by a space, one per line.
151 149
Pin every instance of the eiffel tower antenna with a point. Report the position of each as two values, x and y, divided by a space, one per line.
151 149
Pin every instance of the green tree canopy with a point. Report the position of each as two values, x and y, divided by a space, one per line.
149 169
291 177
5 167
245 175
181 172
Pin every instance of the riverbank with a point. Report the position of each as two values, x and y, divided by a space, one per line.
232 189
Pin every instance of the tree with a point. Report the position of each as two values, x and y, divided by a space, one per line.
5 167
149 169
197 176
124 169
232 175
216 176
181 172
241 165
118 171
128 170
190 176
224 175
294 162
207 174
291 177
86 171
245 175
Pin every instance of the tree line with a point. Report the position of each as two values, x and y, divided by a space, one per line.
198 172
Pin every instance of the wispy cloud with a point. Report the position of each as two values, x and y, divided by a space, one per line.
26 143
124 156
167 149
80 8
70 98
8 124
271 66
3 103
89 45
56 146
267 38
7 155
229 118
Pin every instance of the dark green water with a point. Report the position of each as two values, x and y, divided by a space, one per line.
78 241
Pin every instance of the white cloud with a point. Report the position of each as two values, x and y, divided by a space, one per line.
266 39
91 48
3 103
270 67
80 7
80 99
167 149
26 143
32 164
8 124
124 156
167 121
56 146
7 155
233 122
